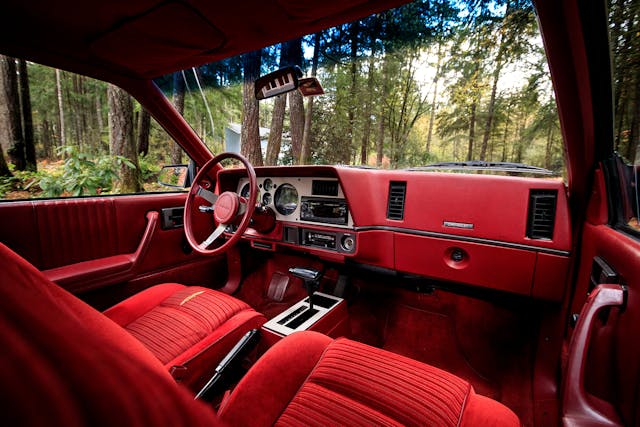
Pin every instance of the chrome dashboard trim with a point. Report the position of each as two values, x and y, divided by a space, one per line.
465 239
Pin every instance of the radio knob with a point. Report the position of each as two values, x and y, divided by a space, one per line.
348 243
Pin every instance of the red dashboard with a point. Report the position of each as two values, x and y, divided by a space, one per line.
505 233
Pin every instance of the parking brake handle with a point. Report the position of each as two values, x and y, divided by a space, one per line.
311 278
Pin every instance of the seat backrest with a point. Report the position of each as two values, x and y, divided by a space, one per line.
64 363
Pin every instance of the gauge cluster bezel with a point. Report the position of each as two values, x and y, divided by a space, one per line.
304 188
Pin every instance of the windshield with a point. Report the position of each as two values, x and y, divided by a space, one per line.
442 81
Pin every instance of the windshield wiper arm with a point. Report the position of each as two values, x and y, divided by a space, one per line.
482 165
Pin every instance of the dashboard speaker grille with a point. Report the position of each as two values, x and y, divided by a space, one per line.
395 204
542 214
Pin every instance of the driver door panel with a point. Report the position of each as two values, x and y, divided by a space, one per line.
87 245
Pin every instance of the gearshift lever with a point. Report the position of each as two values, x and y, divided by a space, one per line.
311 279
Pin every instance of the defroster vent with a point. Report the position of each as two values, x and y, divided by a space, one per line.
395 205
542 214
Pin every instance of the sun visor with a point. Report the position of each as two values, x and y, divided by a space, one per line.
169 34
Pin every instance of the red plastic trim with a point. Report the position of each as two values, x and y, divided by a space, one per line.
578 407
234 271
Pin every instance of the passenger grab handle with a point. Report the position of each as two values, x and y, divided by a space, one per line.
578 408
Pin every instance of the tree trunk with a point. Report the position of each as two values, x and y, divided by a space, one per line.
353 89
306 135
99 121
275 133
46 139
504 137
144 125
250 134
296 124
296 103
277 117
472 128
305 149
382 112
548 147
491 111
434 98
519 146
4 169
121 138
62 137
178 103
27 118
366 131
11 98
634 132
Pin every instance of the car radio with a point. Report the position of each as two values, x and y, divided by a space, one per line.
327 211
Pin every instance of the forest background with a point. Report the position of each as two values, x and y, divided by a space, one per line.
430 81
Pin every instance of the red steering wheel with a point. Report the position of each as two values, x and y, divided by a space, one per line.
226 208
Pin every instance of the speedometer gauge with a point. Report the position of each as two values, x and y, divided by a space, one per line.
245 192
286 199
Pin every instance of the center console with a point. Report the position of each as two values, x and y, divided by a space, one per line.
328 315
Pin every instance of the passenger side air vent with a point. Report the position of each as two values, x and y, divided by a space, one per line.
542 214
395 205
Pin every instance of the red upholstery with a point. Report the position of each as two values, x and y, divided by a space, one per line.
185 326
64 364
326 382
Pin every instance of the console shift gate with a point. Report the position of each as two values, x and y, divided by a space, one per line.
311 279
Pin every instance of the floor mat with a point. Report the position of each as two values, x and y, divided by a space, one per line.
487 344
433 342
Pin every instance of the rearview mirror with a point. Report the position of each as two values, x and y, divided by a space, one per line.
173 176
281 81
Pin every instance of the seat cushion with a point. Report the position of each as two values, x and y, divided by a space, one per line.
64 364
325 382
188 328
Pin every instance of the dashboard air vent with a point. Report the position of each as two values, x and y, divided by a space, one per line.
542 214
395 205
324 188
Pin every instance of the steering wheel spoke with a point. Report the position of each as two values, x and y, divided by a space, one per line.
209 196
212 238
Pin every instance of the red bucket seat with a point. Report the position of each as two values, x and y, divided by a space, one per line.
63 363
189 329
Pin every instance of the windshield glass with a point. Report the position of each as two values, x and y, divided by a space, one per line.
441 81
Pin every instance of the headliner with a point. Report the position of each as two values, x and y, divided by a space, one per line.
144 39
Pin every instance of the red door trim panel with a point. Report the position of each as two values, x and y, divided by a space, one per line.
86 275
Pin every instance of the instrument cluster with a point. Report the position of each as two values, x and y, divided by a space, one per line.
304 199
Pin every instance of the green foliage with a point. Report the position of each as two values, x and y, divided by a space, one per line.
82 176
6 184
19 181
148 169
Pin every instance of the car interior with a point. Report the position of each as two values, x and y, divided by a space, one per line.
318 294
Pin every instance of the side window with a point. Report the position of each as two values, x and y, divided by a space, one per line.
624 25
67 135
630 195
